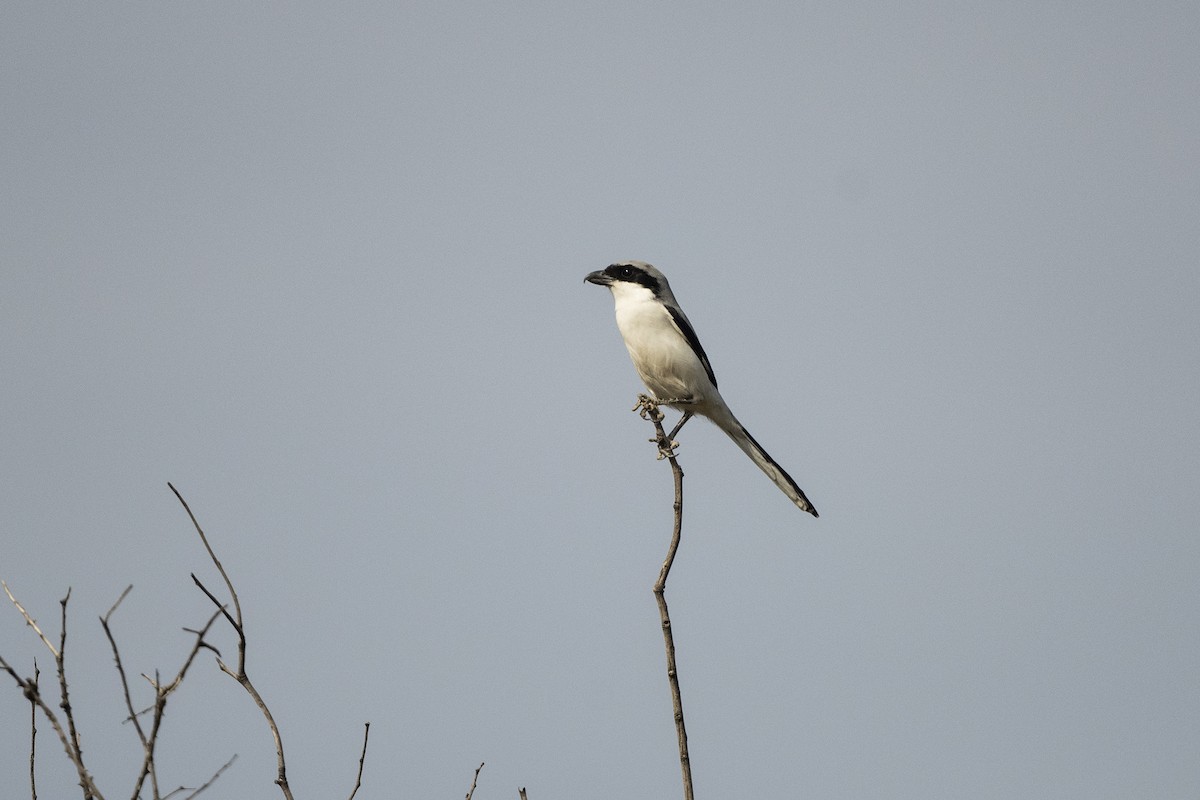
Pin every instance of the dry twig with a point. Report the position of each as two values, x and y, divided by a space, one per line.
647 407
147 732
33 735
68 736
235 620
474 780
161 692
361 758
203 786
30 621
65 697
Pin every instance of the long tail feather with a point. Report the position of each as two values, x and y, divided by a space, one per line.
742 438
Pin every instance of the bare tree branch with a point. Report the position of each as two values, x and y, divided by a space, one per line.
30 620
70 741
205 785
34 696
647 407
361 759
213 779
147 747
65 696
236 621
474 780
161 692
33 735
133 716
522 791
148 731
213 556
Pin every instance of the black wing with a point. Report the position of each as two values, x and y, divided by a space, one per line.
685 327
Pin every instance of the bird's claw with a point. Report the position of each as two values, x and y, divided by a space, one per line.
665 450
647 408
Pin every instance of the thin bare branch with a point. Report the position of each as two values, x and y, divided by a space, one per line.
281 778
361 759
475 780
120 599
148 766
211 780
228 583
523 795
30 689
133 715
33 735
224 610
237 623
29 620
70 741
648 409
161 692
65 695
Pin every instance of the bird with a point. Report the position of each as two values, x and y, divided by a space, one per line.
671 362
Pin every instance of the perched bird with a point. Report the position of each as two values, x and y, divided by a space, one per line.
672 364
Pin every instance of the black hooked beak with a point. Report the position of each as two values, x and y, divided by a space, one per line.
599 278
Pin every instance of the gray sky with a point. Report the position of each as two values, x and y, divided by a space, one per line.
322 267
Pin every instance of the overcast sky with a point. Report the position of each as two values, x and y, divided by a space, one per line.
321 266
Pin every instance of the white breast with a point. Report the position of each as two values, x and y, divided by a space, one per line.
662 356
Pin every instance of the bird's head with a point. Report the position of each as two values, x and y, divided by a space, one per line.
630 274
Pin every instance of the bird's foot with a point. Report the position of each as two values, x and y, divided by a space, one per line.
647 408
666 447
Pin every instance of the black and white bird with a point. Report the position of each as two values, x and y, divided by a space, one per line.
672 364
